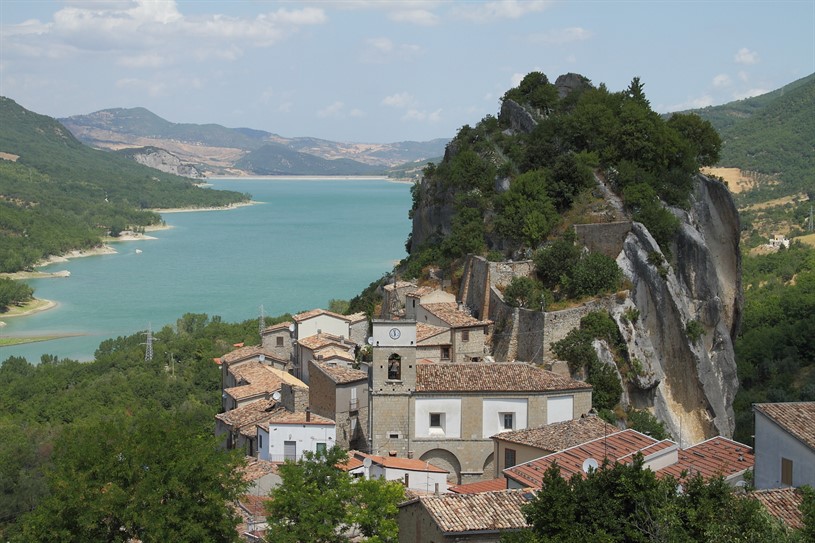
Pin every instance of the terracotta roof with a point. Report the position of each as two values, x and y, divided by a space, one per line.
421 291
304 316
357 317
260 379
246 414
321 340
276 327
491 377
711 458
256 468
254 505
784 504
560 435
426 331
482 486
332 351
570 461
449 313
484 512
341 374
395 462
243 353
280 415
797 418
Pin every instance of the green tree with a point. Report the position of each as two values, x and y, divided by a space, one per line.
704 141
317 502
524 292
150 477
525 212
13 292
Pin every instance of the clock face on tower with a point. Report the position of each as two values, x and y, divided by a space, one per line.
394 333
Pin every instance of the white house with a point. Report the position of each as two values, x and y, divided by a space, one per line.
784 444
288 435
416 475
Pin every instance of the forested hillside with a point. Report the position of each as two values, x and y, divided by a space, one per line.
65 423
57 194
278 159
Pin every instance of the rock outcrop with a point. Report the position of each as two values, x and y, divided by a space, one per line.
689 314
164 161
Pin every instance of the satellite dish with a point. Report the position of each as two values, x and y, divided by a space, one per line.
370 341
367 462
590 464
291 327
276 395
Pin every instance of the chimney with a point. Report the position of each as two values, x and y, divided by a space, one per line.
308 414
436 492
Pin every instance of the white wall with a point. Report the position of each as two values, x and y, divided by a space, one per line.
325 323
449 407
305 435
771 444
559 408
492 422
424 481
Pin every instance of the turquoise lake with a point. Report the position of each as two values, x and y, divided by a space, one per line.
305 242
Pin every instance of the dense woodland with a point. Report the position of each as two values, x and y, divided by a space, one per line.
59 195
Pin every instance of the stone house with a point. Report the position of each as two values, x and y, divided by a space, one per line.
231 361
421 477
251 381
424 296
519 446
460 518
393 299
445 414
277 339
340 393
288 435
467 336
323 347
784 444
347 332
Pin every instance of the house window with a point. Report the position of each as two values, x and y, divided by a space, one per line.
279 340
507 421
465 335
260 441
445 353
509 458
395 367
320 448
393 435
786 471
436 424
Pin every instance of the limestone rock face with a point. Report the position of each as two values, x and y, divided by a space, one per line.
165 161
695 378
520 120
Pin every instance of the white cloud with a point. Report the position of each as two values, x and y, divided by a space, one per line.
750 93
721 80
561 36
422 116
419 17
745 56
335 110
380 50
399 100
152 88
147 60
499 9
356 113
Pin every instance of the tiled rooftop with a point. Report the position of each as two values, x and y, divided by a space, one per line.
332 351
782 503
560 435
276 327
246 414
713 457
256 468
571 460
280 415
394 462
491 377
397 285
243 353
300 317
797 418
487 511
341 374
426 331
260 378
357 317
323 339
481 486
449 313
421 291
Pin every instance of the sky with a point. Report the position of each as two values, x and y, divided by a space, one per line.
380 71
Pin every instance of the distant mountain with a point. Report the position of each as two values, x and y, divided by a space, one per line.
770 134
278 159
216 149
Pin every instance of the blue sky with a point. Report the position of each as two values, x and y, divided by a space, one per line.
385 71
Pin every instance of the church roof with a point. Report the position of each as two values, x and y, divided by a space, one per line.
491 377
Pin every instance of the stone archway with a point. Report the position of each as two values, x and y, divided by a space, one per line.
489 467
444 459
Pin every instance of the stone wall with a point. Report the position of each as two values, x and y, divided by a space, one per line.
560 323
480 276
294 398
606 238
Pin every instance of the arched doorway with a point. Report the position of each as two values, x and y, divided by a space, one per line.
444 459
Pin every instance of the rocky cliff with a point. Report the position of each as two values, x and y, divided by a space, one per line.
689 313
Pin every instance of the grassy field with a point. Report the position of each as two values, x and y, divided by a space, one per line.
8 341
